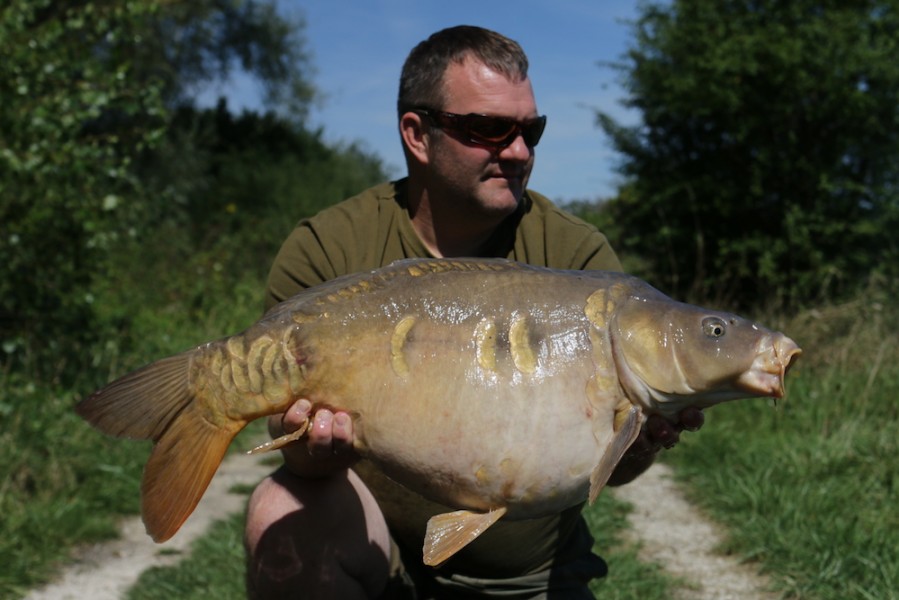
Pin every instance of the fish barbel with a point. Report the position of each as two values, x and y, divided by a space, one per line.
493 387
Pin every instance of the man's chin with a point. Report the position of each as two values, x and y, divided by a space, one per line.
499 212
504 195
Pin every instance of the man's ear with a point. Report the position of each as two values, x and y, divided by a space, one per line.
416 140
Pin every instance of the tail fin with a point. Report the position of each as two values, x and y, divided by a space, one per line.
180 468
158 403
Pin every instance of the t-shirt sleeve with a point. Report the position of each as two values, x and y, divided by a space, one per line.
595 253
302 262
321 248
365 232
554 238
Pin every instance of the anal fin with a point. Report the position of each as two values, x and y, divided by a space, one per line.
448 533
625 429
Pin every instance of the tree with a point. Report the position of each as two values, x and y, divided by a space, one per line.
767 160
193 42
87 88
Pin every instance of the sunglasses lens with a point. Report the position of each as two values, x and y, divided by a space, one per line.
533 131
499 132
491 129
484 130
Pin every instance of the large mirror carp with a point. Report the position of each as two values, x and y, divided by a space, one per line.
498 389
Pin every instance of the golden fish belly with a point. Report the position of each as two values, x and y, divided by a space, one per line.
534 460
487 412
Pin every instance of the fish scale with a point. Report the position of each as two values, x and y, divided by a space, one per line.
497 389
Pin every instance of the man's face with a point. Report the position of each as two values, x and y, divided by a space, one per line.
488 181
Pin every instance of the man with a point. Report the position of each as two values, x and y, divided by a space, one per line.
469 123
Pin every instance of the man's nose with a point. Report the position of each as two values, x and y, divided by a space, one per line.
517 150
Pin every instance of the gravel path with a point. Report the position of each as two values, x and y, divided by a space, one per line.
679 538
106 571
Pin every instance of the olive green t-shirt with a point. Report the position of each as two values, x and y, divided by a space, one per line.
372 230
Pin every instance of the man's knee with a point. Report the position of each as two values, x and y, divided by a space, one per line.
323 534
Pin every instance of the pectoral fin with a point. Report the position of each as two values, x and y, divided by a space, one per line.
626 427
448 533
280 442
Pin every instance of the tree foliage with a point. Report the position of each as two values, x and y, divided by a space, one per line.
87 90
766 161
72 120
191 43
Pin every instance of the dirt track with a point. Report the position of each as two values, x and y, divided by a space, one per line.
106 571
678 537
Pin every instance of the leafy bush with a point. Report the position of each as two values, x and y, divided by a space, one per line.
86 90
72 122
765 162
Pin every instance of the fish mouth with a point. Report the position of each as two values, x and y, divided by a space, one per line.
776 354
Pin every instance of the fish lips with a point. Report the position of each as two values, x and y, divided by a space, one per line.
765 377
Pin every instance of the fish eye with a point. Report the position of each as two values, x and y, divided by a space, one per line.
714 327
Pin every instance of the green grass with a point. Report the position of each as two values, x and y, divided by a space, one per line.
629 578
60 483
213 569
807 489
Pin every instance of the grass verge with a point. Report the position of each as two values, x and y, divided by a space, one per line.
213 569
61 482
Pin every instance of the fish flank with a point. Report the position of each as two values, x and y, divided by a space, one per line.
274 384
239 377
255 358
226 377
293 363
236 348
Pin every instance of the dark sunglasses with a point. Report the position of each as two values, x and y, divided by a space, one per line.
484 130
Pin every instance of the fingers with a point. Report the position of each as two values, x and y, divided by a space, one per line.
321 434
662 433
342 433
692 418
330 433
296 415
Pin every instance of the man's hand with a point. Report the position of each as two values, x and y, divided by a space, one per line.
657 433
327 446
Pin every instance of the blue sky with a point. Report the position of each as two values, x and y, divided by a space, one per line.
358 49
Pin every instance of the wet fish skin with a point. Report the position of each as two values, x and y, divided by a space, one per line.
497 388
